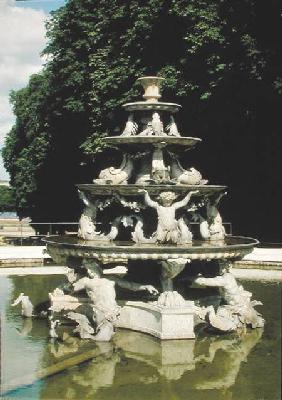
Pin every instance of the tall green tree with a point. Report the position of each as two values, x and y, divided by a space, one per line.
7 201
222 62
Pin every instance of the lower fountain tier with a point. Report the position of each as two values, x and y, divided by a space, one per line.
232 248
155 190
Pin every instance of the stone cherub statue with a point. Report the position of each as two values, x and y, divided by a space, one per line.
94 271
96 314
154 127
169 229
238 310
116 176
102 296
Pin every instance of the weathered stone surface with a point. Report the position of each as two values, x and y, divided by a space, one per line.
160 321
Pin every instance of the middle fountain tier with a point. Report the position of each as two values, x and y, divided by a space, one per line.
150 210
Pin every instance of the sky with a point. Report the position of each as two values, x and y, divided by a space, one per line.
22 39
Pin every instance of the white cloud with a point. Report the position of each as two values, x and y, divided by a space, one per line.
22 38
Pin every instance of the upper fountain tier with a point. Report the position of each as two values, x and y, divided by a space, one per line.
152 86
151 122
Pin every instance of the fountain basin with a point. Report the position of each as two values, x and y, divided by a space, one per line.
152 105
132 189
145 141
232 248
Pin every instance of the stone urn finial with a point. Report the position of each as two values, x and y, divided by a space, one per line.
151 85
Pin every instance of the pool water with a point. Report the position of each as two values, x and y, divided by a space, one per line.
135 365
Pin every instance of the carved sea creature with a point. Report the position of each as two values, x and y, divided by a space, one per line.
216 228
185 234
27 306
116 176
144 175
185 176
203 223
172 128
131 127
138 234
87 228
83 328
238 310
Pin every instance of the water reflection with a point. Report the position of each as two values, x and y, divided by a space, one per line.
168 358
224 358
209 363
135 365
26 327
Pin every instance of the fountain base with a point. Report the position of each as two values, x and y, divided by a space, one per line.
157 320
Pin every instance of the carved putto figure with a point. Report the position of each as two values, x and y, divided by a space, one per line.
157 125
116 176
94 271
102 295
27 306
169 230
154 127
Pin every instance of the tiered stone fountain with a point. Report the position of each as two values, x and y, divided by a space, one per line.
149 208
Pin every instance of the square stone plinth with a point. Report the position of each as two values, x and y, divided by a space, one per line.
159 321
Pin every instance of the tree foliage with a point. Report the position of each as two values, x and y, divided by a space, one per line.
7 201
221 60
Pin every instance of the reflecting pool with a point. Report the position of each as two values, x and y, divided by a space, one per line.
134 365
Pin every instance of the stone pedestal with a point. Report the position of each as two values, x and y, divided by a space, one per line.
160 321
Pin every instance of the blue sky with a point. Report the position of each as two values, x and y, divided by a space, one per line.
44 5
22 39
